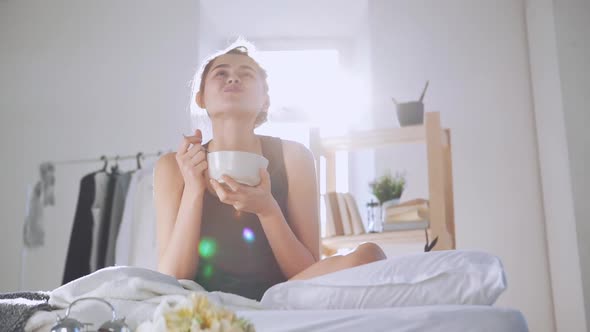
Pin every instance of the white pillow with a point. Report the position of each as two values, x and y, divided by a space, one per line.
434 278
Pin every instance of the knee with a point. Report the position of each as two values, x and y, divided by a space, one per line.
367 253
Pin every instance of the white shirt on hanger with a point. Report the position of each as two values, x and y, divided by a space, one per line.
136 242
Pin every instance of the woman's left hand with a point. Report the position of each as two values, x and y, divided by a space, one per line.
257 199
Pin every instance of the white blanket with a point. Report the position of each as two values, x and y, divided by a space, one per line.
134 292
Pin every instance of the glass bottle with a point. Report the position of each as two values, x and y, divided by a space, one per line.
374 222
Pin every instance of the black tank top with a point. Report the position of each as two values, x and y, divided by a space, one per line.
234 253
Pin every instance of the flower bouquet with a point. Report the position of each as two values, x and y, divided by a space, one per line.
196 314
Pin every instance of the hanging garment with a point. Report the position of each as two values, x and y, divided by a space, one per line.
33 232
41 195
99 214
105 224
47 171
80 245
121 188
136 241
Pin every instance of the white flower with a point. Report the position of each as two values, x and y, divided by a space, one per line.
196 314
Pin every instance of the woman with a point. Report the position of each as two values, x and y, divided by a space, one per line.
232 237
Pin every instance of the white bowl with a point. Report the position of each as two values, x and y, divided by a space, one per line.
241 166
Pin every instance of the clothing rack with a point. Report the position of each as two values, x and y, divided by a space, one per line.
47 182
139 156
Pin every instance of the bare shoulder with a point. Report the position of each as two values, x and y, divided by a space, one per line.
166 172
299 160
296 153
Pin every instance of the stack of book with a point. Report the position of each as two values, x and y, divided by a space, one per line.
342 215
408 215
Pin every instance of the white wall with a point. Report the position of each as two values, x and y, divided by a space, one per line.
559 52
572 22
475 55
555 158
82 79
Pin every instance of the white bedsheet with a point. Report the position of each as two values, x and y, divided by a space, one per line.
460 318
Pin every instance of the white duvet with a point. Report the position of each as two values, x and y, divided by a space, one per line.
135 293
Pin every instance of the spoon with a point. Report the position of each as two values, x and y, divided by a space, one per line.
423 92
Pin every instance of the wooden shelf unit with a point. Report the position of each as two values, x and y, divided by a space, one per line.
440 176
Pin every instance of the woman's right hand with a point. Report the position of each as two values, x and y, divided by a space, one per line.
192 161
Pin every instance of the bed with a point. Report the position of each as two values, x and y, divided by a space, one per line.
440 291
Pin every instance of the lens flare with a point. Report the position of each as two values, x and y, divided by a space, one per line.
207 247
208 271
248 235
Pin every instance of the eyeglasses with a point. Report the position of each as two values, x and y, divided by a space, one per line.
67 324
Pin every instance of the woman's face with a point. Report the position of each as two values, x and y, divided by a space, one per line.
234 84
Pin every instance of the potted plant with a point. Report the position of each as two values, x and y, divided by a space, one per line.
388 190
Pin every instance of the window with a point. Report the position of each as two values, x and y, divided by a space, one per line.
306 90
